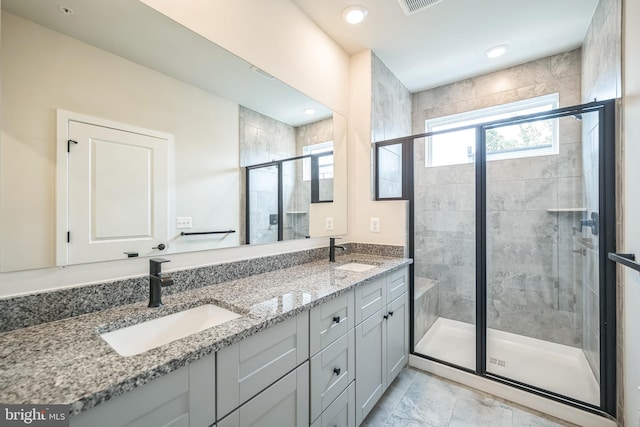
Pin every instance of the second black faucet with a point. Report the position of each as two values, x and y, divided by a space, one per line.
332 248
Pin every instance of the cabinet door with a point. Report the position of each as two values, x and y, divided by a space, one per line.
179 399
283 404
332 371
370 363
249 366
397 347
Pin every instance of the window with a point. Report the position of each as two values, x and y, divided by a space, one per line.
325 163
524 140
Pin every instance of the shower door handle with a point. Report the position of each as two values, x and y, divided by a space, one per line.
593 223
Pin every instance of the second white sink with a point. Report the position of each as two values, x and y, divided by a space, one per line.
356 266
145 336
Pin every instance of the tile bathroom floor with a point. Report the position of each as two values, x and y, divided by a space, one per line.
417 398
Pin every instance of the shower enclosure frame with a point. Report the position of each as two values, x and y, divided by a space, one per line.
607 243
315 188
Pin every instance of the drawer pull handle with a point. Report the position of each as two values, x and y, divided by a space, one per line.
336 371
336 319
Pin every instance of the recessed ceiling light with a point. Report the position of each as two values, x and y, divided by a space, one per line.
309 111
496 51
355 14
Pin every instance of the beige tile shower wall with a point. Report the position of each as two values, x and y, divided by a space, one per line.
532 268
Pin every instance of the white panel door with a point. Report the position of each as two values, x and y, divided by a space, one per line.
117 193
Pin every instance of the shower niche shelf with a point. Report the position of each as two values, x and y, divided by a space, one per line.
556 210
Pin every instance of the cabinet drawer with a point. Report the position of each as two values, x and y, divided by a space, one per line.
397 284
332 370
341 413
369 299
329 321
251 365
283 404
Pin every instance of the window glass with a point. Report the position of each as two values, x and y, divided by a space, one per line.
325 163
524 140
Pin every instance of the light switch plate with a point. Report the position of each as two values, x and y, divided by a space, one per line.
374 225
184 222
328 223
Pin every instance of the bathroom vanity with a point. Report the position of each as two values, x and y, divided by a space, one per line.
314 344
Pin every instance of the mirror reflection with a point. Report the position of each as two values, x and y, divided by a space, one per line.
216 113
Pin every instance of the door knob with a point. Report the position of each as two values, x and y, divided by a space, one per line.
160 247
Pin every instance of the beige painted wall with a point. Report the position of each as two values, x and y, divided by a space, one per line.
41 73
275 36
392 214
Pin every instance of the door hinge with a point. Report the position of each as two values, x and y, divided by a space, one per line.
69 142
68 236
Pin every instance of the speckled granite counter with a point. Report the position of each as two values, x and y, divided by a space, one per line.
66 361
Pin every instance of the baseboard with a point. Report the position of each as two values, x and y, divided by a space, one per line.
521 397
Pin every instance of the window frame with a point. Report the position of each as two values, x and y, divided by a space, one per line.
523 107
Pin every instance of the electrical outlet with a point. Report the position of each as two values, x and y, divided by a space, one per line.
328 223
374 225
184 222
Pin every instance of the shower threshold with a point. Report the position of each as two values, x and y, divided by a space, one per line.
555 367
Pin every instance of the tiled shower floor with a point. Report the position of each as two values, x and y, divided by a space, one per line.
555 367
418 399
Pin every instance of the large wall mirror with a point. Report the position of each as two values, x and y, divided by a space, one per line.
81 72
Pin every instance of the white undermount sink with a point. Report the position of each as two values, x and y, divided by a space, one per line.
356 266
144 336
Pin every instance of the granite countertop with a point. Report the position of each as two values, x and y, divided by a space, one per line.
66 361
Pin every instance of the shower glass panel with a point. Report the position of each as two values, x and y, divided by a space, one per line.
296 197
389 159
511 222
445 250
542 255
263 202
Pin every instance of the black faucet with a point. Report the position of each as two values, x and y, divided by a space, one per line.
156 281
332 248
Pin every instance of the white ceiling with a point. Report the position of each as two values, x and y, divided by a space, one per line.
446 42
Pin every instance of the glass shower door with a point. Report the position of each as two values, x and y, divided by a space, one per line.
445 248
263 212
542 220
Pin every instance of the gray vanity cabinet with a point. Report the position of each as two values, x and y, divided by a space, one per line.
283 404
341 413
382 338
255 363
332 349
183 398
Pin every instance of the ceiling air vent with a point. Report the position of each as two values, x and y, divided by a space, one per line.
410 7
